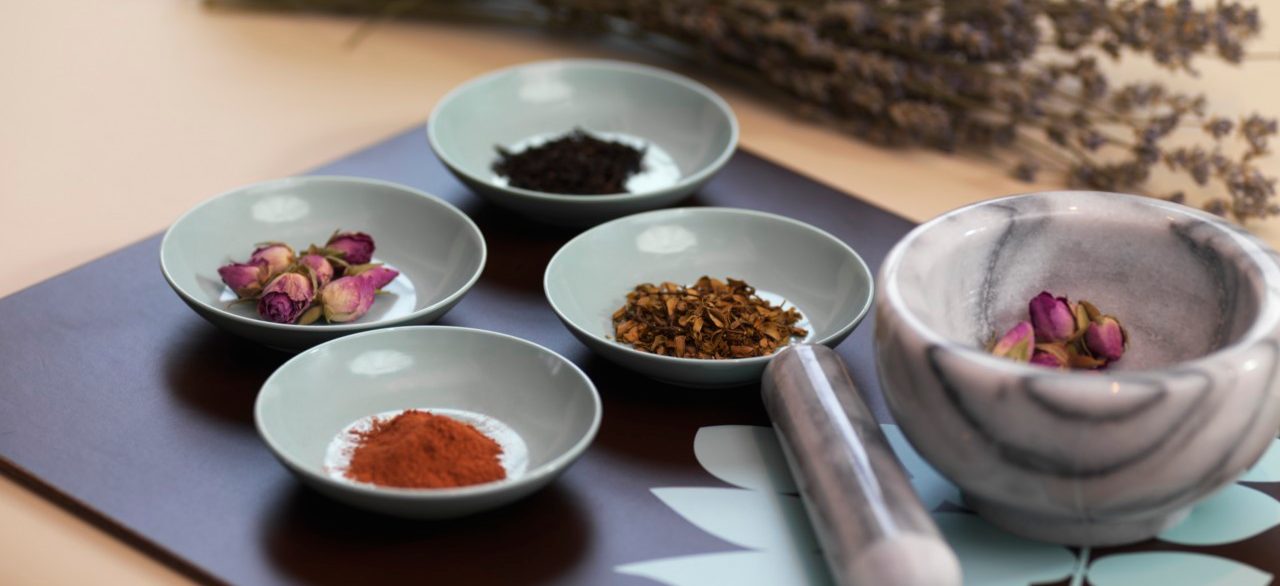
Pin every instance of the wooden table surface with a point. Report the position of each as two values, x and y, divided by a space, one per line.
119 116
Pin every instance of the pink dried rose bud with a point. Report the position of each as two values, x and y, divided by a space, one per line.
244 279
1052 318
1052 355
355 247
379 275
320 268
276 257
346 299
1105 338
285 298
1016 343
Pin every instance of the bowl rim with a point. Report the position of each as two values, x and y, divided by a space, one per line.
838 334
535 475
892 296
607 64
328 328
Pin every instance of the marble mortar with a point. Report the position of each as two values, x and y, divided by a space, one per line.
1083 458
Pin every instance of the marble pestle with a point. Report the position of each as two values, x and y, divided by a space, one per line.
869 521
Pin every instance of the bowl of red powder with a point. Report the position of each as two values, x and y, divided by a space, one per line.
428 422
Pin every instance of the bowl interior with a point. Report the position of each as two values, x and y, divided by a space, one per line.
311 399
1179 283
434 246
783 259
680 120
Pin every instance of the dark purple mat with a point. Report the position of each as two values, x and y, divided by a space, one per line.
121 402
118 402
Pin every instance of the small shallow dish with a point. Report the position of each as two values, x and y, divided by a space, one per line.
689 130
549 405
1083 458
438 250
784 259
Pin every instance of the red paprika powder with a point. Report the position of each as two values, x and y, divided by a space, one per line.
417 449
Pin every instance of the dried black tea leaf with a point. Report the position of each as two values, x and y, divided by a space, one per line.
576 164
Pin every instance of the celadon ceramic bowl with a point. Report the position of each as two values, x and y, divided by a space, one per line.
1083 458
688 130
787 261
437 249
540 407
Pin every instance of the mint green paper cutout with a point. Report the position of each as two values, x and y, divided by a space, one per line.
1233 514
930 486
747 518
991 557
1173 568
747 456
1268 467
740 568
1082 562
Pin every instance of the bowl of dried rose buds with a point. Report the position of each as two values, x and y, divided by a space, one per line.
580 141
1085 366
703 297
294 262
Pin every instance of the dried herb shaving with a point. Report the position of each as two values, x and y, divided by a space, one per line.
713 319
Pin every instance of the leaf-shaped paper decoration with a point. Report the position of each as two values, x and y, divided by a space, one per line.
1268 467
1173 568
991 557
747 518
740 568
748 456
932 488
1233 514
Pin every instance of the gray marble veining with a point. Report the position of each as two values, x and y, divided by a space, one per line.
872 527
1086 458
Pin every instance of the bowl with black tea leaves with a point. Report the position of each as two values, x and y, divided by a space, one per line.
294 262
1058 449
427 422
580 141
703 297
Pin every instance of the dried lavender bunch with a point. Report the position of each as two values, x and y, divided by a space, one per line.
969 74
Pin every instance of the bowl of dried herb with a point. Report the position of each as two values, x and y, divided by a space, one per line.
703 297
580 141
